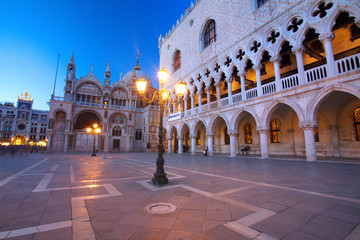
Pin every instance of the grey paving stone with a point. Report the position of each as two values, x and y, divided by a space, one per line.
297 235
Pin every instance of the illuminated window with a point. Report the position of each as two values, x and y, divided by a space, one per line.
316 134
356 122
275 131
177 60
198 138
210 33
247 134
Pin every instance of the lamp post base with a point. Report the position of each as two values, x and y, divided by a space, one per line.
159 179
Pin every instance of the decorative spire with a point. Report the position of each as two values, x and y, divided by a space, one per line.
72 61
107 75
91 69
137 66
71 68
108 67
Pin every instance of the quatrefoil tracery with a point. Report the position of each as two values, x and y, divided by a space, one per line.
273 37
295 23
322 9
255 47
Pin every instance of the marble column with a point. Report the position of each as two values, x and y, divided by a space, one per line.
257 69
210 140
310 145
200 100
276 61
300 63
192 96
180 144
326 39
218 93
193 144
229 81
169 145
107 142
208 97
66 143
50 142
264 144
242 83
186 98
233 143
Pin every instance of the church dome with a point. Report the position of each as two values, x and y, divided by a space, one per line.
137 74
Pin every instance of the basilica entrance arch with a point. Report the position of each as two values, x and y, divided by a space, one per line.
119 137
83 140
19 140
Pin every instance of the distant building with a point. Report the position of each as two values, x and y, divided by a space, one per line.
282 77
127 123
22 125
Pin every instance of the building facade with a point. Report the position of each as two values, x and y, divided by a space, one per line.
21 124
127 122
281 77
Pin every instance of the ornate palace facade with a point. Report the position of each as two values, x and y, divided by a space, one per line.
282 77
127 123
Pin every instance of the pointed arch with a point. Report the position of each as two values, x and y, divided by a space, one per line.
316 101
272 106
182 128
196 125
172 130
213 121
235 120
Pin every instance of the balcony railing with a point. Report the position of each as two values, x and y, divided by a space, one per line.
343 65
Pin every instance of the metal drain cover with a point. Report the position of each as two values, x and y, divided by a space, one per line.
160 208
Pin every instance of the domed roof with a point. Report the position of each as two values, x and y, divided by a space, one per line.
137 74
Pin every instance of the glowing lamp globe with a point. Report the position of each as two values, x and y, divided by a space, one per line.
88 130
164 94
95 125
180 89
97 130
163 75
141 85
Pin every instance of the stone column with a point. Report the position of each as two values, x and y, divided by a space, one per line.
169 108
50 141
264 144
218 92
169 145
257 69
210 140
192 96
180 142
66 143
208 97
300 64
276 61
229 81
193 144
233 143
326 39
310 145
335 140
291 141
107 142
242 83
200 100
186 98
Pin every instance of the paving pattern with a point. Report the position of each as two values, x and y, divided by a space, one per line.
75 196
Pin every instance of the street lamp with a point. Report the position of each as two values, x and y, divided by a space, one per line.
94 130
161 97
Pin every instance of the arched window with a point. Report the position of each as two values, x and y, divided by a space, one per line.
177 60
140 135
356 121
226 136
275 131
116 131
210 33
247 134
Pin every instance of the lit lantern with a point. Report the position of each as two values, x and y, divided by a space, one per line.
163 75
164 94
180 89
141 85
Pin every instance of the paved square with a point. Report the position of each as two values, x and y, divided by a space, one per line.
75 196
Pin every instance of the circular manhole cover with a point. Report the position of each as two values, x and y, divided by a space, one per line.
160 208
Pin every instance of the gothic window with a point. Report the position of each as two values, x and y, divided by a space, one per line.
177 60
261 2
210 33
247 134
226 136
138 135
316 134
275 131
116 131
356 122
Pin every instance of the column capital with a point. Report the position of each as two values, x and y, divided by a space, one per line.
298 49
242 74
200 92
262 130
210 135
192 95
326 37
233 132
276 58
228 79
169 138
217 84
257 67
310 125
192 136
180 138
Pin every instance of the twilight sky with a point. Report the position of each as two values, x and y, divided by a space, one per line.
33 34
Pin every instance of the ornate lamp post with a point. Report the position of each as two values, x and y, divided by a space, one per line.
161 97
93 130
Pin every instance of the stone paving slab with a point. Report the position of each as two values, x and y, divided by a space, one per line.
75 196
